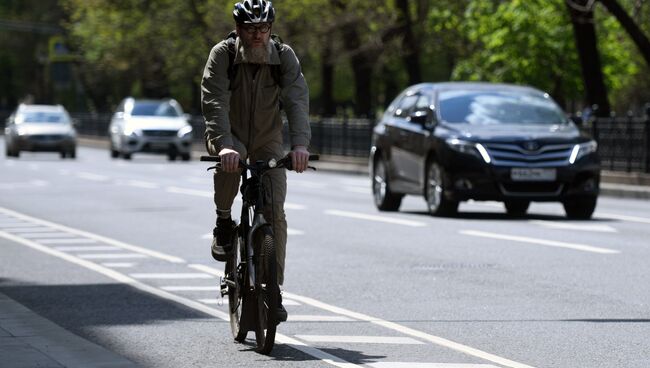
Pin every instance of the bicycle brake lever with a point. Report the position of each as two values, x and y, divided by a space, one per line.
215 167
311 167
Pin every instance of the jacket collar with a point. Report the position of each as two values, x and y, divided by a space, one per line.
274 58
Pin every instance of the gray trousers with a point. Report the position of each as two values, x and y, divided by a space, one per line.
226 187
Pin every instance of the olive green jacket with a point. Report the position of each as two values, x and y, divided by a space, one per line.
250 111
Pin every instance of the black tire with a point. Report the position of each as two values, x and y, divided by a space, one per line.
434 192
72 153
267 291
63 154
186 156
126 156
171 156
114 153
580 208
385 199
237 276
516 208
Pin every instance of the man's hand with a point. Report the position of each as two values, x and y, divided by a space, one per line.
299 158
229 159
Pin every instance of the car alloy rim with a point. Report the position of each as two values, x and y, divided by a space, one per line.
379 182
434 187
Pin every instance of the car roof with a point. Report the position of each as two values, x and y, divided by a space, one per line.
476 86
41 108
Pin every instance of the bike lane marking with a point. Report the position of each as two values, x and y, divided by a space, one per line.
548 243
387 324
119 277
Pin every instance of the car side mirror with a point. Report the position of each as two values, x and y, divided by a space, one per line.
577 120
425 117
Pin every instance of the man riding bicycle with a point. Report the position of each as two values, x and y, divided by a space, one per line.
246 79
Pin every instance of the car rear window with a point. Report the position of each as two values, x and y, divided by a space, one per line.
44 117
489 107
154 109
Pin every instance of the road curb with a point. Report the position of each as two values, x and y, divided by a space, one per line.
29 340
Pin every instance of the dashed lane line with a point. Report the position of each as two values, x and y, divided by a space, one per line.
112 255
575 226
360 339
89 235
87 248
427 365
68 241
384 219
642 220
170 276
548 243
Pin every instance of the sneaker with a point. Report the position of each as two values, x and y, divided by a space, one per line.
281 313
222 240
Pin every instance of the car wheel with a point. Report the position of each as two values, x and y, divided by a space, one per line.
63 154
516 208
580 208
114 153
126 156
186 157
73 153
437 202
385 199
171 157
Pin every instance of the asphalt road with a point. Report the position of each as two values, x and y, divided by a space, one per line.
117 252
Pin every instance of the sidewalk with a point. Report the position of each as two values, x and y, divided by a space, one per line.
28 340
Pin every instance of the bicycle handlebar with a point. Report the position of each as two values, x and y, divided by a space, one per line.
284 162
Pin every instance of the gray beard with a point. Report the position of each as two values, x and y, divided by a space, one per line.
256 55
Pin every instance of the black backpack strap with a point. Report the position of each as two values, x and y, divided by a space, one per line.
276 70
230 42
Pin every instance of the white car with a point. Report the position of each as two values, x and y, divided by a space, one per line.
40 128
154 126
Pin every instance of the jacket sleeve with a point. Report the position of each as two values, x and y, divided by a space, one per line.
295 98
215 99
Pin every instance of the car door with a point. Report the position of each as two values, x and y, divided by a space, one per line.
410 142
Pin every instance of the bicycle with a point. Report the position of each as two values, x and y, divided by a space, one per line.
250 279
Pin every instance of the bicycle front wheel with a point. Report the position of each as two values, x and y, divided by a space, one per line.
266 290
235 274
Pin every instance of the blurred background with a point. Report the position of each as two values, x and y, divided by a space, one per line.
356 55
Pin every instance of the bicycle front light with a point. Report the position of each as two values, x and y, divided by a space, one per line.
469 148
582 149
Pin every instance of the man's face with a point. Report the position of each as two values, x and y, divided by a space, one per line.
254 35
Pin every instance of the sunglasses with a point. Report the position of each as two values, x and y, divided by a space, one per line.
262 28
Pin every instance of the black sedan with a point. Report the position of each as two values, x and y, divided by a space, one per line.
452 142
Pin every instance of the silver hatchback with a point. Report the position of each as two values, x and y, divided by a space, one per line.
40 128
153 126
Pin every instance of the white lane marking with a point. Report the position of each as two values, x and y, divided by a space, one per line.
142 184
427 365
33 183
214 301
16 230
112 256
293 206
191 288
170 276
44 235
92 177
99 238
409 331
314 318
89 248
68 241
194 192
207 236
119 264
14 224
295 232
574 226
386 324
363 216
361 339
548 243
643 220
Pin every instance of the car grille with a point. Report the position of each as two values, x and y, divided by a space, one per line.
531 188
505 154
46 137
159 133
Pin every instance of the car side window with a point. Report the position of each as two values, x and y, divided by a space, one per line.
423 103
406 105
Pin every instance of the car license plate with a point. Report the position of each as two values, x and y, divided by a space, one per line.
533 174
159 145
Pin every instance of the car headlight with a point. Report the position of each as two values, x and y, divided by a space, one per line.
185 131
582 149
469 148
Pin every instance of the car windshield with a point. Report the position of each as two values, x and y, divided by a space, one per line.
44 117
154 109
490 108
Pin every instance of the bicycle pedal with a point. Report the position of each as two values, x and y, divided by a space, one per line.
223 287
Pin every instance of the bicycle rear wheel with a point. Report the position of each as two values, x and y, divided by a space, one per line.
235 274
266 290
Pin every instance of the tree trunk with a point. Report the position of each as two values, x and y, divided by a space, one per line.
410 45
328 108
640 40
587 46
